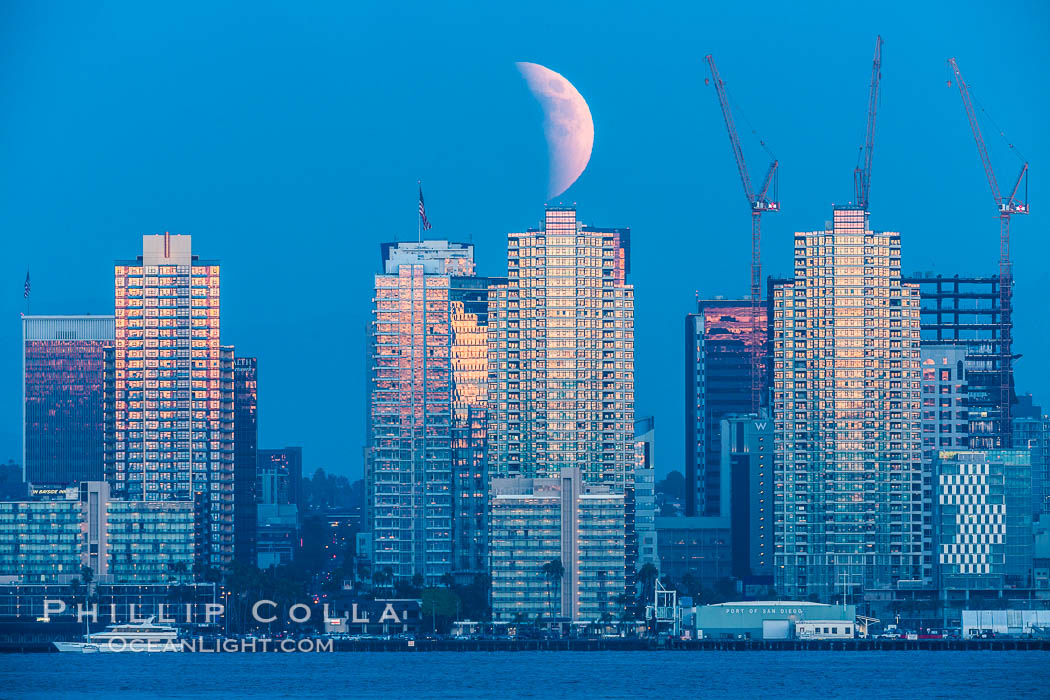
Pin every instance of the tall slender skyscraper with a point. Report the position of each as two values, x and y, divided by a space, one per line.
561 354
561 402
245 456
470 310
847 470
409 455
172 434
63 390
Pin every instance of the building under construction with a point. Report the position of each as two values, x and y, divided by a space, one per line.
965 311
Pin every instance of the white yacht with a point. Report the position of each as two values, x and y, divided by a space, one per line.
131 637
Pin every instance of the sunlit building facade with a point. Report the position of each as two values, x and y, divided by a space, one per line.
848 468
409 455
469 301
173 430
561 354
63 393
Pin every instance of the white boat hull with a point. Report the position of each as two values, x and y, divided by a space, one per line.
77 647
129 646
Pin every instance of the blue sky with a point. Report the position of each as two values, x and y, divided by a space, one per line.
287 138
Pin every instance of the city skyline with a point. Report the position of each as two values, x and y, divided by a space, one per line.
70 230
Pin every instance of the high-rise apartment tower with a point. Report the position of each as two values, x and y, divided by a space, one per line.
847 469
172 434
561 354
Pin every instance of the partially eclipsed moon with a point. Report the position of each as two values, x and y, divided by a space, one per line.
567 125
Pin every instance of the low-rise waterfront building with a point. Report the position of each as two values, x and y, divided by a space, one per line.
768 619
556 548
45 541
696 547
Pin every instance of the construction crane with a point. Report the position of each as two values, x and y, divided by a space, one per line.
760 203
862 175
1007 206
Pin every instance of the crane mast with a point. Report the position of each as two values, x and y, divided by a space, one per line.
862 174
1007 207
760 203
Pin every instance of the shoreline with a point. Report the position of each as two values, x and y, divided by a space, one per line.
228 646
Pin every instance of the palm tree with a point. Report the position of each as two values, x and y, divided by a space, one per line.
553 571
648 575
382 577
179 570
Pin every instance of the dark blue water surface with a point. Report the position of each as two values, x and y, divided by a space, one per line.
666 675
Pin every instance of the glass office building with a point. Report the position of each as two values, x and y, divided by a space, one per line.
172 434
63 392
469 316
720 338
848 467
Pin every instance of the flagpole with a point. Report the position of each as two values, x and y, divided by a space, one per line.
419 217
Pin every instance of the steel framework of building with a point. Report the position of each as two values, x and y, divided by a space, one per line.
1007 207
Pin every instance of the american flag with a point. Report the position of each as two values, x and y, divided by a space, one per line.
422 213
27 284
